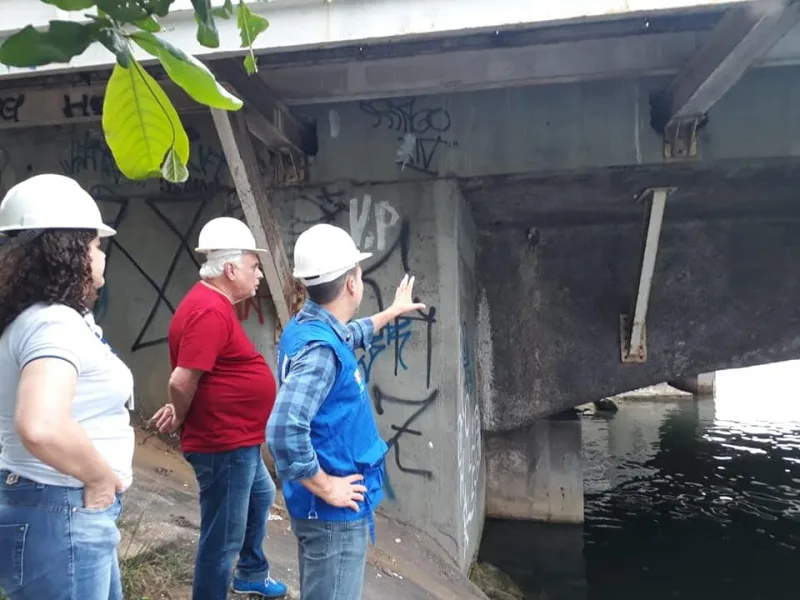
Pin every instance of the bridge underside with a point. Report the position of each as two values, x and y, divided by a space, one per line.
517 202
559 258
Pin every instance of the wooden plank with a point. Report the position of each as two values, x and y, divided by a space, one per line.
282 128
36 107
241 158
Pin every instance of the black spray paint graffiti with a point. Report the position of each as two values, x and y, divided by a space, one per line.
379 399
402 244
9 107
421 130
87 105
105 194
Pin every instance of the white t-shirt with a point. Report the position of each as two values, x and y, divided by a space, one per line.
103 394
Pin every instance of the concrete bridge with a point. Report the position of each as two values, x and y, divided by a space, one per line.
594 197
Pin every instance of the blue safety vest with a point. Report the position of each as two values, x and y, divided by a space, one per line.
343 432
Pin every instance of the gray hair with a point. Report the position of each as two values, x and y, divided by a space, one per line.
216 261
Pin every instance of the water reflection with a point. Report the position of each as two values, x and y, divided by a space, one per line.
687 499
709 510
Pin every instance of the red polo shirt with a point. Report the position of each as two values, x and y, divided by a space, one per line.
236 393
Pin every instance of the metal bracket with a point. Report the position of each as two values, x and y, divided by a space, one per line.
632 327
681 140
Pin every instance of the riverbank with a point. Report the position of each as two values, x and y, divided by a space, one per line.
160 527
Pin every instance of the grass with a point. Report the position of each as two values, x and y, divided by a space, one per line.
155 573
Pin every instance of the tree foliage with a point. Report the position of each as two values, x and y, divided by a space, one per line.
141 126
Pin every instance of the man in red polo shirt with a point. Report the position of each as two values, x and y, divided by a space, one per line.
221 394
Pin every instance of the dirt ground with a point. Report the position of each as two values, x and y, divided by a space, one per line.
160 528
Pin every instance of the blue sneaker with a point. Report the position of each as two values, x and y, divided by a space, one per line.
268 588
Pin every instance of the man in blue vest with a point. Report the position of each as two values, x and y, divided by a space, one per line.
322 432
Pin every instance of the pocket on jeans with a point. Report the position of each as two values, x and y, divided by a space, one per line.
12 549
315 538
99 511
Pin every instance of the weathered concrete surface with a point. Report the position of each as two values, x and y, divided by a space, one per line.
162 508
534 472
722 293
421 369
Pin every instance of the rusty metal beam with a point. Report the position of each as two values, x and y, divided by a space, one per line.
283 129
744 34
243 165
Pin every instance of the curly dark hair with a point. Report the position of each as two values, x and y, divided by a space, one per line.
51 266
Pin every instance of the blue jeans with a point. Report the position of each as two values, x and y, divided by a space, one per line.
236 493
332 556
51 547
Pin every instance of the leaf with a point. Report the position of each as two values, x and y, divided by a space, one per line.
116 44
188 72
224 11
207 34
250 64
173 170
160 8
250 25
60 43
71 4
125 11
140 123
149 24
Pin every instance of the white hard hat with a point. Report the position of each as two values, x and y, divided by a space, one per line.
50 201
226 233
324 252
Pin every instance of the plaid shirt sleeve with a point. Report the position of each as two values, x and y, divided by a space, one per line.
362 331
310 378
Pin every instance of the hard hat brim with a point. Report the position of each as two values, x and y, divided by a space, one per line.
207 250
103 231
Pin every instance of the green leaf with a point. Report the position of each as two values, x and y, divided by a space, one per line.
250 64
250 25
160 8
149 24
173 170
140 123
125 11
71 4
207 34
224 11
188 72
116 44
61 42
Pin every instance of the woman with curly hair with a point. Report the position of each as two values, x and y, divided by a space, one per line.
67 443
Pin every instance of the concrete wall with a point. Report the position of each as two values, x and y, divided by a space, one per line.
151 262
534 472
558 127
420 370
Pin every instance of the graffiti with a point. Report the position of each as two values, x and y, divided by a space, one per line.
9 107
105 194
393 335
243 310
88 153
207 170
421 130
88 105
385 217
8 175
468 443
326 207
402 245
379 398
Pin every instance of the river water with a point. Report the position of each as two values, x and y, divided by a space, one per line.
691 499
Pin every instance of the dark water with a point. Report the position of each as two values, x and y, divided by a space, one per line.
687 500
